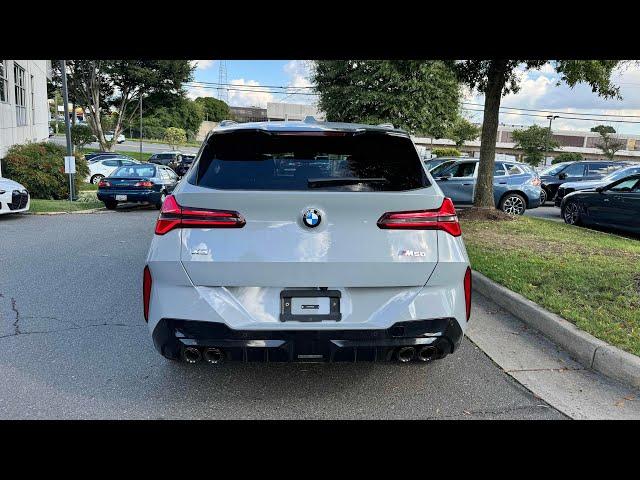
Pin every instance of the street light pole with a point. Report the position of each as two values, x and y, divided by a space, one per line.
551 118
140 123
65 100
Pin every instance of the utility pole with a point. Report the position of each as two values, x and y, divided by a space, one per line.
551 118
140 123
65 100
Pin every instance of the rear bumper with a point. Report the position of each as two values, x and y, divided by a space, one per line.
171 337
132 195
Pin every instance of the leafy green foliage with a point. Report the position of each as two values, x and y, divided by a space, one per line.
603 128
462 130
40 168
609 145
214 110
567 157
534 141
419 96
445 152
175 136
81 135
172 112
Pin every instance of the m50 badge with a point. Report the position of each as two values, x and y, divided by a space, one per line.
412 253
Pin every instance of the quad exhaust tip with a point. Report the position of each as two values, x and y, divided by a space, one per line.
427 353
406 354
213 355
191 355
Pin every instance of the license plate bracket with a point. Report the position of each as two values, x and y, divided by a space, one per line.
121 198
289 300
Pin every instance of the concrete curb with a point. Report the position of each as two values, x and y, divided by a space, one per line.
92 210
585 348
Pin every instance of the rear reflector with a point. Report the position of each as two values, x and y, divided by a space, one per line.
443 218
146 292
174 216
467 291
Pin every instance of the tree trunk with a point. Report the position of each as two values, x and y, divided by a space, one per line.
483 197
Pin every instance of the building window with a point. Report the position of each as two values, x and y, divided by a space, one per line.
33 101
4 83
21 95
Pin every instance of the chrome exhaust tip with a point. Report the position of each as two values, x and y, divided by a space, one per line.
213 355
406 354
427 353
191 355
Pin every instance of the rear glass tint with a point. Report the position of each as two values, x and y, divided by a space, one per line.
257 160
135 171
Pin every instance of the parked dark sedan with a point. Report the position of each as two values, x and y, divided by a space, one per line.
616 205
555 175
568 187
141 183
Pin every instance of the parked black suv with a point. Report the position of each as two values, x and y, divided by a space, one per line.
555 175
168 159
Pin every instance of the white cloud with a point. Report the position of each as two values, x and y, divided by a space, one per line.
299 73
201 64
255 97
195 92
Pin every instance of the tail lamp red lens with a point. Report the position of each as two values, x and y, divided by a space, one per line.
104 183
467 291
146 292
172 216
146 183
443 218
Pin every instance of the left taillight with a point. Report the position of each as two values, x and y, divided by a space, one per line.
467 291
146 292
104 183
172 216
443 218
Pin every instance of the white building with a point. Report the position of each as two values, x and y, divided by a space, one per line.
292 111
24 111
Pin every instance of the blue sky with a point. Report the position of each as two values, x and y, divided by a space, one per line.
539 90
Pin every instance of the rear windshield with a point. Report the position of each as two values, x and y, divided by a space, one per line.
257 160
135 171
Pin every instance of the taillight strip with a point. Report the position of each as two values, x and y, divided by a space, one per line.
172 216
443 218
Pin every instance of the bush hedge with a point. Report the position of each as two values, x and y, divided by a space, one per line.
445 152
40 168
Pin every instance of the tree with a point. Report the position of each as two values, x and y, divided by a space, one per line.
103 86
534 141
419 96
496 78
603 128
462 131
81 135
175 136
608 144
567 157
214 110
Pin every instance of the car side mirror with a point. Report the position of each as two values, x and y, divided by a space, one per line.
600 189
446 176
562 176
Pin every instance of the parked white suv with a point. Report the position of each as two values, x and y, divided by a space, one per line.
306 241
106 166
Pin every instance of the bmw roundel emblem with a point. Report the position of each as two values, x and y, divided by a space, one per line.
311 218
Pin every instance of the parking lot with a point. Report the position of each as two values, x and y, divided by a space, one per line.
74 345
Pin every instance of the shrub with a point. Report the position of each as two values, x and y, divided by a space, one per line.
567 157
175 136
446 152
40 168
81 135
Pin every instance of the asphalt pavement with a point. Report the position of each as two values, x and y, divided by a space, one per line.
549 212
129 145
73 344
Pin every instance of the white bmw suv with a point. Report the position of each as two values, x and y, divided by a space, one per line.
307 241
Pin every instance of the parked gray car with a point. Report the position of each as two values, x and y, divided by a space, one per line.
516 186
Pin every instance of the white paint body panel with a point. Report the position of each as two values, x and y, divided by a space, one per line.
8 186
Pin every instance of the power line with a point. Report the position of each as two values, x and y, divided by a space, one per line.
542 110
561 116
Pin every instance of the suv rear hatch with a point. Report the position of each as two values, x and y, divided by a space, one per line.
347 180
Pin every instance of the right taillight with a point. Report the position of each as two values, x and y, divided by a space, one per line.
467 291
172 216
443 218
146 292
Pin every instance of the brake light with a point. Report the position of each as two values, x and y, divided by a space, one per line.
174 216
146 292
467 291
104 183
144 184
443 218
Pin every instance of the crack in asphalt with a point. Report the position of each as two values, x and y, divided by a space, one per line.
77 327
16 325
471 413
563 369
